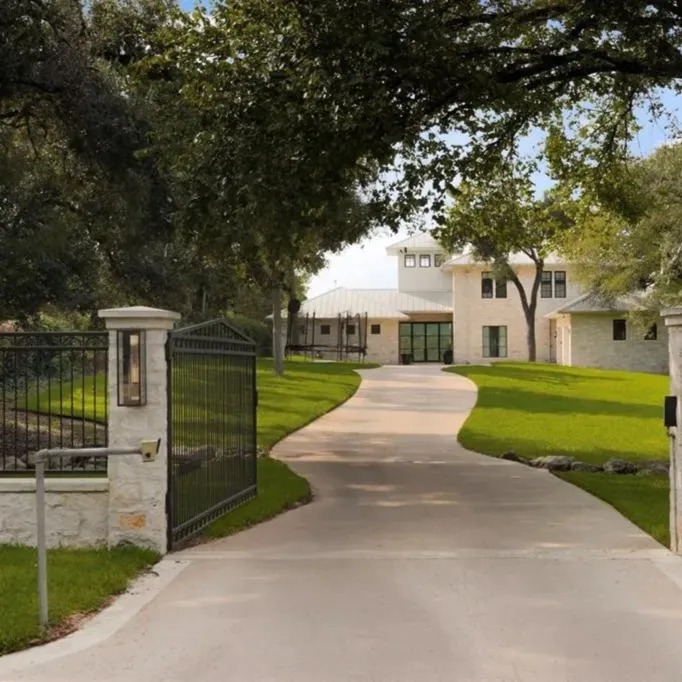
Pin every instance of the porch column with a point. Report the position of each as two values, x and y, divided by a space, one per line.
137 489
673 321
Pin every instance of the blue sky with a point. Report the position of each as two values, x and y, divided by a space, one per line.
366 265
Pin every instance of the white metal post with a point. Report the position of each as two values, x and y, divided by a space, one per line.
41 542
148 449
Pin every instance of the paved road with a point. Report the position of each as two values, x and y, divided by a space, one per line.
417 562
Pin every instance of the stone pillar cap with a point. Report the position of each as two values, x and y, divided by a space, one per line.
673 316
139 316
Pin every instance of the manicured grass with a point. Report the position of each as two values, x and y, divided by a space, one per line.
79 582
642 499
592 415
84 399
279 489
306 391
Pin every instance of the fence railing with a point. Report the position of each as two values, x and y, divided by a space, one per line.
53 394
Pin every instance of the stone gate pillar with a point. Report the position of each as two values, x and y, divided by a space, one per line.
137 489
673 321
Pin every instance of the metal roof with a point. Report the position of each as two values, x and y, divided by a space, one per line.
377 303
419 241
591 303
514 259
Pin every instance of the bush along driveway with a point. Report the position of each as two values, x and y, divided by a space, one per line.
579 423
83 581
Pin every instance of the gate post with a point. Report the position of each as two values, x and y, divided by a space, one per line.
137 490
673 321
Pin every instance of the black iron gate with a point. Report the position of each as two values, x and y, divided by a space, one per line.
212 425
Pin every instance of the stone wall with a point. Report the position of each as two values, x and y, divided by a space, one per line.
76 511
383 347
592 345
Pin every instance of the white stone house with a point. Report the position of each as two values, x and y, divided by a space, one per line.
454 304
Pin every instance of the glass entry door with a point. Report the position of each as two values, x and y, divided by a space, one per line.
425 341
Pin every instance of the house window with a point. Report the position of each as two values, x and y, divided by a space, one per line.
494 342
487 285
438 260
350 329
559 284
425 260
546 285
652 333
325 329
620 332
500 288
410 260
375 329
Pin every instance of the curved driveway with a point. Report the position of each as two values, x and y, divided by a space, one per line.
418 561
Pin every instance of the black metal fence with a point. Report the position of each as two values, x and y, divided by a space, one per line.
53 393
212 425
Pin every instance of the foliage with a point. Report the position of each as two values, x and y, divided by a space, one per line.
449 87
628 234
589 414
498 218
79 581
645 500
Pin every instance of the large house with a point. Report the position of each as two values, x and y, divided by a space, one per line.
452 309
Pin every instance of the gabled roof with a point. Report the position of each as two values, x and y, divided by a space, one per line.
416 242
591 303
467 258
377 303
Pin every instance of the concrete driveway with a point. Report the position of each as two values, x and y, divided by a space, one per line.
418 561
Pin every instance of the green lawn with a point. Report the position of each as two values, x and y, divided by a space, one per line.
80 581
86 398
642 499
590 414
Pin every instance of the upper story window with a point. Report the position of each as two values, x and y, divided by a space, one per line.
325 329
559 284
425 260
652 333
546 285
410 260
350 329
620 330
438 260
489 285
375 329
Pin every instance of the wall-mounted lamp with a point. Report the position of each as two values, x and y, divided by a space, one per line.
131 367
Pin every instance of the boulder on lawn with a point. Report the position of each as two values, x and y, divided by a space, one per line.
553 462
584 466
513 457
620 466
654 469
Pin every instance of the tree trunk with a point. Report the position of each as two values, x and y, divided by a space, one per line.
530 334
277 341
529 304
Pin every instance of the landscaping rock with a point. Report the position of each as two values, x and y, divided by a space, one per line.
513 457
620 466
553 462
584 466
654 469
656 465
